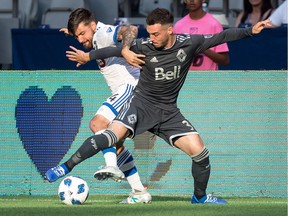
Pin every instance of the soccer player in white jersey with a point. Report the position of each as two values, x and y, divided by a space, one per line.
121 79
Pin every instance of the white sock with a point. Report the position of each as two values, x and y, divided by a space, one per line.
127 166
110 156
135 182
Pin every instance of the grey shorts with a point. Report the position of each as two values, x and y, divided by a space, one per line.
139 116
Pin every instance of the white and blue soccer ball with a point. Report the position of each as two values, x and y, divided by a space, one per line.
73 190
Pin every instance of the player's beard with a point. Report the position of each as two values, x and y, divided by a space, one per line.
87 45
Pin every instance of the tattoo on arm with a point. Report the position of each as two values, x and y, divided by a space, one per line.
129 36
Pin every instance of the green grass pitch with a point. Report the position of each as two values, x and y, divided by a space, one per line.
162 206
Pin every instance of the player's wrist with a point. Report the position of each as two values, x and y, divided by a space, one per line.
125 49
87 57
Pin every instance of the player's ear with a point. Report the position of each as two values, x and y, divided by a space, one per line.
170 30
93 26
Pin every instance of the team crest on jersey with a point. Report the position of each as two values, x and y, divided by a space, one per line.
132 119
181 55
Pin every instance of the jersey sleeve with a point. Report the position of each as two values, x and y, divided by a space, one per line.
221 47
105 53
106 36
279 15
222 37
136 46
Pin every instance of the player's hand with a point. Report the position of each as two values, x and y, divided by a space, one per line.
64 30
78 56
258 27
133 58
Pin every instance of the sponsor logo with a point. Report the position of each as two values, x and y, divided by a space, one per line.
160 74
193 30
109 30
154 59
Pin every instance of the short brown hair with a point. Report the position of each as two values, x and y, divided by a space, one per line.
78 16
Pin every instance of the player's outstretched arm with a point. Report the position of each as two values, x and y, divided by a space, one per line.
258 27
230 34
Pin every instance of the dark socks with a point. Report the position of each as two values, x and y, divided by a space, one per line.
201 174
90 147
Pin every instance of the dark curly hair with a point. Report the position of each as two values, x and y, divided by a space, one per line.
160 16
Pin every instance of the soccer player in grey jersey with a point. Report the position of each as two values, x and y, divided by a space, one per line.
153 107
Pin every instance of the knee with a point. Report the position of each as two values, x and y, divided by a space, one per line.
97 124
93 125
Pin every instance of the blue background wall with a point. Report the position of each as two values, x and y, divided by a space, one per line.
265 51
241 116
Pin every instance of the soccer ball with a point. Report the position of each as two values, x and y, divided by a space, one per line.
73 190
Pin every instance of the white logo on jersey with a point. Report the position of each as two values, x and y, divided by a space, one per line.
208 36
181 55
154 59
183 37
132 119
160 74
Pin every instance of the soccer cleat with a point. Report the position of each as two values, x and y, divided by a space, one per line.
207 199
138 197
55 173
109 172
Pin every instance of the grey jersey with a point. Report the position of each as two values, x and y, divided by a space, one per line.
165 70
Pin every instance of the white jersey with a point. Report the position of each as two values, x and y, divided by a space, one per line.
115 70
279 16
